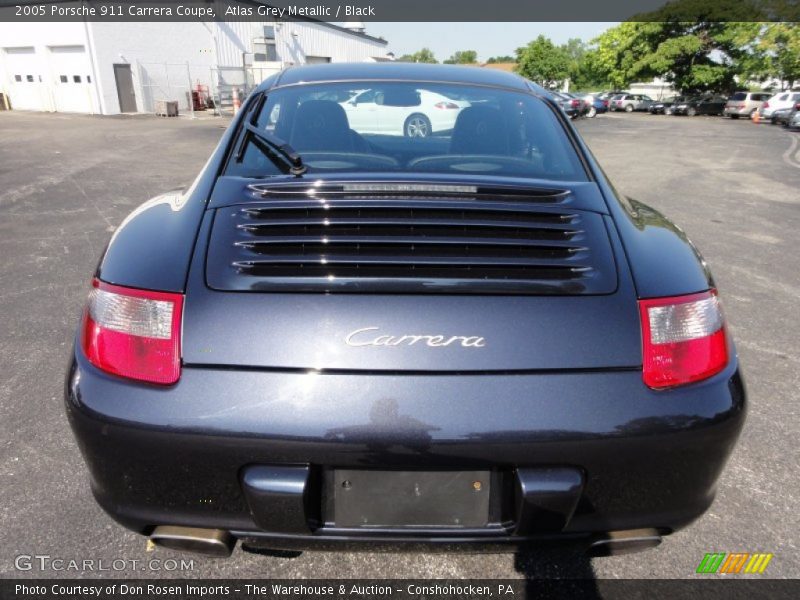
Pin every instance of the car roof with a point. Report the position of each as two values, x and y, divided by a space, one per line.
400 72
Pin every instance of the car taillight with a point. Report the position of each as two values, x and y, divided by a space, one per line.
133 333
765 105
683 339
605 102
575 103
446 105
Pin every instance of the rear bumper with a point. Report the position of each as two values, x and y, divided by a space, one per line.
179 456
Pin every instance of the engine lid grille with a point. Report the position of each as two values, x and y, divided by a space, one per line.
385 239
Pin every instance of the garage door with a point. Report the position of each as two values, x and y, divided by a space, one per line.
26 87
71 79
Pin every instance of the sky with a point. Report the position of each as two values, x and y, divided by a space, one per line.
488 39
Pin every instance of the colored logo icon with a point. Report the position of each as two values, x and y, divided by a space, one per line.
735 562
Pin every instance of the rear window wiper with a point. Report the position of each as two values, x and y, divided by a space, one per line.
274 146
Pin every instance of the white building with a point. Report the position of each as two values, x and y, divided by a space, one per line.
657 89
111 68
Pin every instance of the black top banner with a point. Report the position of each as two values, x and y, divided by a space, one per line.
401 10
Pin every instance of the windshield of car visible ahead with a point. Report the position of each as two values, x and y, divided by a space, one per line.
407 127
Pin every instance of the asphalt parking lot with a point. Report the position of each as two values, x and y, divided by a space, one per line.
69 180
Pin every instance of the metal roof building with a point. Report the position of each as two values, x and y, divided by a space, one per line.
121 67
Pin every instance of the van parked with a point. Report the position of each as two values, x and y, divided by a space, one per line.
744 104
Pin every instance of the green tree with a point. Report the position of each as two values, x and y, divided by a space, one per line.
693 56
462 57
500 59
543 62
422 56
779 45
586 75
696 45
583 72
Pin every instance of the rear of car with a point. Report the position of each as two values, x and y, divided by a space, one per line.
744 104
783 100
793 122
790 117
781 116
658 107
357 338
670 103
572 106
682 105
596 105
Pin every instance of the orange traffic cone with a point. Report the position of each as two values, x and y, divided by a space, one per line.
756 117
236 102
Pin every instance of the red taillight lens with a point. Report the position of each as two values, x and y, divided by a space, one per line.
133 333
683 339
446 105
575 103
605 102
766 105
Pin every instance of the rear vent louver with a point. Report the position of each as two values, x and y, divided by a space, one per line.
410 241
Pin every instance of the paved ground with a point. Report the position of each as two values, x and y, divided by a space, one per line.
67 181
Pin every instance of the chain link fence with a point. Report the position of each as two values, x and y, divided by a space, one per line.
175 82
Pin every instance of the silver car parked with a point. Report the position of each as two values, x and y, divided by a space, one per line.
632 102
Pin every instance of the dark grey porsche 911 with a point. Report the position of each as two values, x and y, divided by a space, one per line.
402 306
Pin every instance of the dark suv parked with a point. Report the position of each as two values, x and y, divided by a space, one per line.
344 336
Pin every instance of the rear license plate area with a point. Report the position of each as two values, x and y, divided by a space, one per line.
409 499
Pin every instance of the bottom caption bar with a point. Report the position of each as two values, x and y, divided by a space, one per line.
351 589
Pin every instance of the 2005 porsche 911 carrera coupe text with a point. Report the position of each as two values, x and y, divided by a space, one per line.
343 335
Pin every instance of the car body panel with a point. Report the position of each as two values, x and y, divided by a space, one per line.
396 72
325 337
174 456
165 226
663 260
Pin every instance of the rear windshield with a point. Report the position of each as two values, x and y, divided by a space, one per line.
409 127
739 96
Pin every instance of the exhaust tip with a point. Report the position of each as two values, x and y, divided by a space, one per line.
208 542
624 542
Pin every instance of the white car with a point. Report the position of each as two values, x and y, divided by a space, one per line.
779 101
396 112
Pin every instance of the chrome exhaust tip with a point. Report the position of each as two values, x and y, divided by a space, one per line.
208 542
628 541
